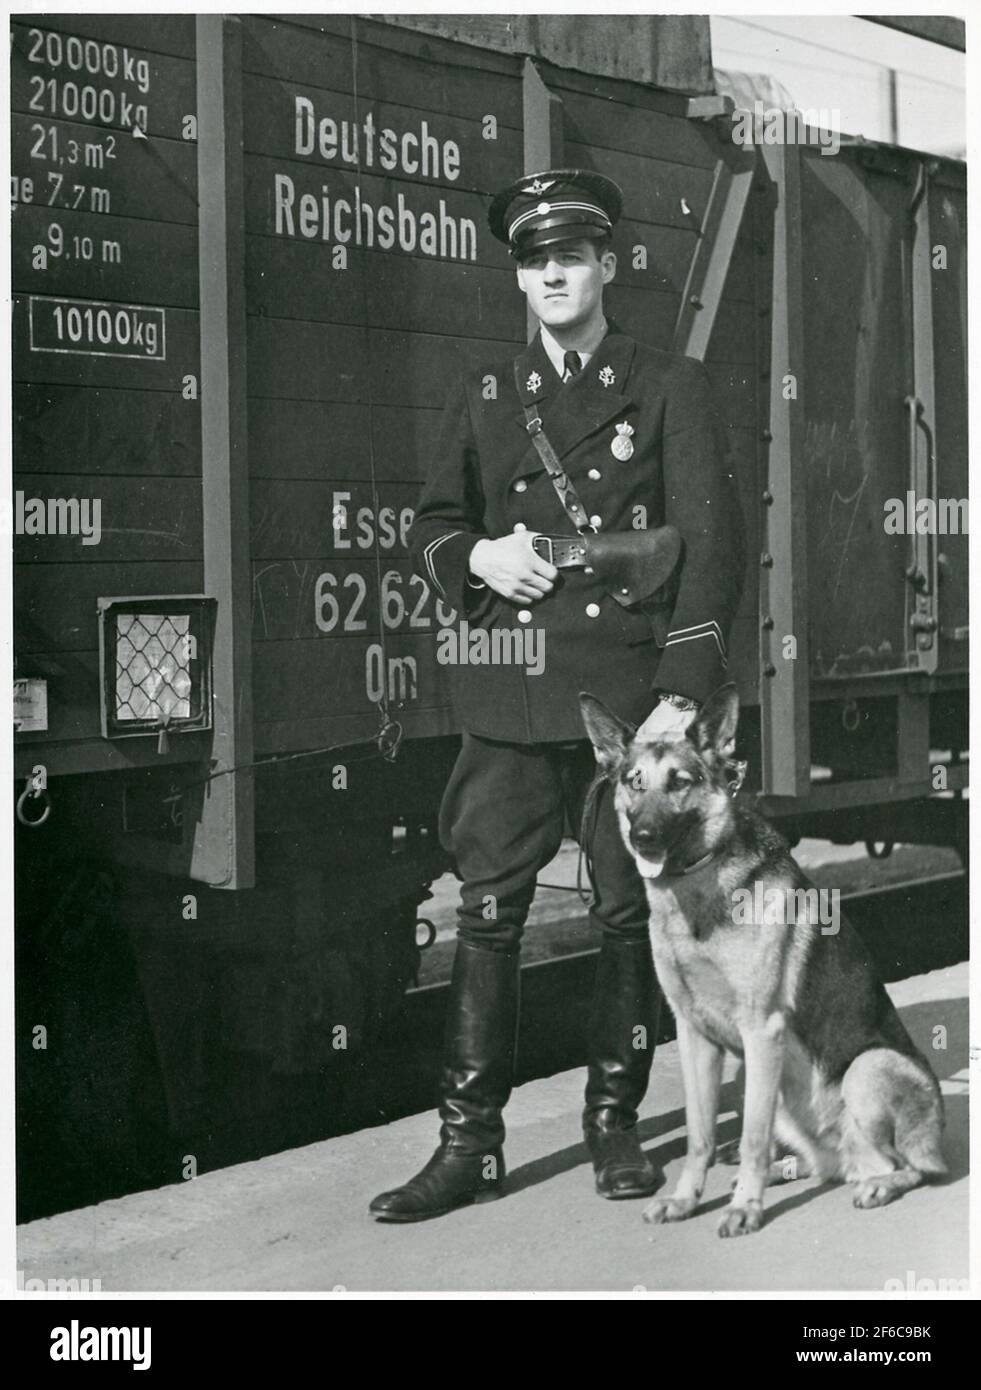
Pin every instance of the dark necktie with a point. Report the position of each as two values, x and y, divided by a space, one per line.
572 364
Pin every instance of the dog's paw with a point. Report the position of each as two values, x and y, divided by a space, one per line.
741 1221
876 1192
664 1209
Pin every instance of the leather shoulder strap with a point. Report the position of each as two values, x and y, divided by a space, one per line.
561 481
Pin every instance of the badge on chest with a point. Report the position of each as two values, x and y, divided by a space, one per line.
622 447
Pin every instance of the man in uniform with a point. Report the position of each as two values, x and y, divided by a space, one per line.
638 445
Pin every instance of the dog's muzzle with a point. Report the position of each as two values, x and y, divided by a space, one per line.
650 859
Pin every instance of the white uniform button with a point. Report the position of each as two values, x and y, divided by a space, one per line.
520 526
592 610
596 521
524 615
521 485
595 474
588 569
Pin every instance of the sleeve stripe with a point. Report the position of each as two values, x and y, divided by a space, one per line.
676 641
710 628
695 626
427 556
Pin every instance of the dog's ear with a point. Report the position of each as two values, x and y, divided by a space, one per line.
609 735
714 727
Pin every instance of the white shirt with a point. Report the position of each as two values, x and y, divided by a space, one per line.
556 353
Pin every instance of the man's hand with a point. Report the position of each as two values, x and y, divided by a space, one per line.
511 567
665 721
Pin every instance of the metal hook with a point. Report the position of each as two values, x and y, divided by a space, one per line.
32 792
389 735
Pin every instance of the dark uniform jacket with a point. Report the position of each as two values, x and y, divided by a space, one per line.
487 478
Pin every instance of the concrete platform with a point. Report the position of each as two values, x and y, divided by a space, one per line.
298 1221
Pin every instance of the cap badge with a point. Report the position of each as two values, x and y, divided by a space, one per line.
533 384
540 186
543 209
607 376
622 447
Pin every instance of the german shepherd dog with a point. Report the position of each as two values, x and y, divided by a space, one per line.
830 1069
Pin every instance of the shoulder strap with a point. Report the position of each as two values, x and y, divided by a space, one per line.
561 481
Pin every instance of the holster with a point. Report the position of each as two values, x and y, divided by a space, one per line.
640 569
634 566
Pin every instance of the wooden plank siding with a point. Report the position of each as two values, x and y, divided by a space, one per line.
348 368
347 365
102 218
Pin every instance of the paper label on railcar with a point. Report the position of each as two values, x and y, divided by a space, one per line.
30 706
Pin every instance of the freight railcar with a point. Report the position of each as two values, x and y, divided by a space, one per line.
249 254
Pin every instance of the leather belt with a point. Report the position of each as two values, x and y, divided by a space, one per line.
635 567
564 552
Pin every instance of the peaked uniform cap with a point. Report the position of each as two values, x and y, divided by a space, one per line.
555 205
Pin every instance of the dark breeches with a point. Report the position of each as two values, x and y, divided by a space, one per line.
503 816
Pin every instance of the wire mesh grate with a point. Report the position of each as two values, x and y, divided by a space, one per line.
153 666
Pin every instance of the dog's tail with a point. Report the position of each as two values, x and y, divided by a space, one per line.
894 1100
919 1127
921 1150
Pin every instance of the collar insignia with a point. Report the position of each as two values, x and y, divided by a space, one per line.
607 376
533 384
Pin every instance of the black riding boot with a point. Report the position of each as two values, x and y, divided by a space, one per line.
478 1068
622 1035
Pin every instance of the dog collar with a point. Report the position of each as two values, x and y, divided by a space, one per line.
693 868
